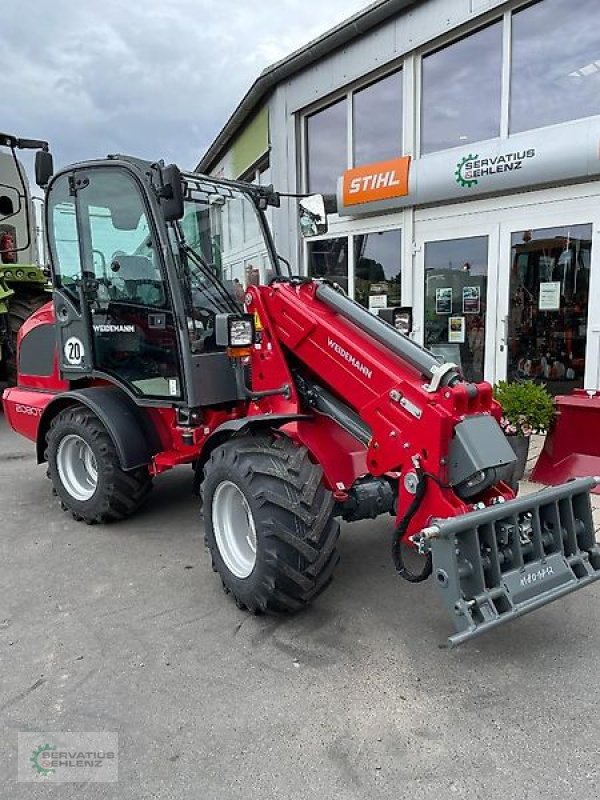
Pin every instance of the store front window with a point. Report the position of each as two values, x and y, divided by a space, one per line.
549 292
377 123
377 273
555 63
327 147
461 91
329 259
455 302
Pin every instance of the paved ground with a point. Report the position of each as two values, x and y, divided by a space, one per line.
125 628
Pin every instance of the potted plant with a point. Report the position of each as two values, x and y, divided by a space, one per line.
526 408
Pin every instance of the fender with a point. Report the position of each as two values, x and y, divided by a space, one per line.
133 435
235 426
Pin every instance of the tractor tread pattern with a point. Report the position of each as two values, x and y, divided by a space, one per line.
293 514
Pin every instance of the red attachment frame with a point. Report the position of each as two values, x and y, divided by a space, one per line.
572 446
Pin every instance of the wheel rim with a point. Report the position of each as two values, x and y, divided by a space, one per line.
77 468
235 532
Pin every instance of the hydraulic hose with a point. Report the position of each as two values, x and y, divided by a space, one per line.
400 531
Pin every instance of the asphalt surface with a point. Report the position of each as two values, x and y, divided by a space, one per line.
125 628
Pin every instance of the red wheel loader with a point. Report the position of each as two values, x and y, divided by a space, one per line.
174 338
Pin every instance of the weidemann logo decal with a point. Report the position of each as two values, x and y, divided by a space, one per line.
471 167
350 358
107 328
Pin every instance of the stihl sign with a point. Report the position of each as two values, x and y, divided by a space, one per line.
379 181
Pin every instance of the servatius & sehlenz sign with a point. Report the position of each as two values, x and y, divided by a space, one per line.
471 168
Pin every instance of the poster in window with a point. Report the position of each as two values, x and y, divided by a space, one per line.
443 300
471 300
377 301
549 296
456 330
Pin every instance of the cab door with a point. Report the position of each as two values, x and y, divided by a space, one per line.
114 311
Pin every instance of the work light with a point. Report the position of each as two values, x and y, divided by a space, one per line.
234 330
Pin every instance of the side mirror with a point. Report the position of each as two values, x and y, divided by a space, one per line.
44 168
171 193
313 218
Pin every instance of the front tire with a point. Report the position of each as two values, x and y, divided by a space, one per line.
84 468
269 523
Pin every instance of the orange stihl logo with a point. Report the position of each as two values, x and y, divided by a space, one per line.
379 181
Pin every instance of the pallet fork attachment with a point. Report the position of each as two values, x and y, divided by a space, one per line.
495 564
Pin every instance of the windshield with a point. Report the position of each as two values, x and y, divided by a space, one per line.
220 248
223 236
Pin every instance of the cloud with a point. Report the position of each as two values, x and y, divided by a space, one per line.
149 78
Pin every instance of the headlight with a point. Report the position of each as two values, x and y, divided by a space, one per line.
476 484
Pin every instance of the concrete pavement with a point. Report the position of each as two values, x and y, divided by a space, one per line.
125 628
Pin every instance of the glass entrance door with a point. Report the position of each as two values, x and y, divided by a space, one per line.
455 301
548 306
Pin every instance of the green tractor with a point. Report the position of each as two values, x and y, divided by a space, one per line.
24 284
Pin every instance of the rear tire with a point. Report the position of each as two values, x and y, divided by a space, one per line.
19 310
84 468
269 523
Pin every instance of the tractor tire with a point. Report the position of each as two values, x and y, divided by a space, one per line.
269 523
20 308
83 466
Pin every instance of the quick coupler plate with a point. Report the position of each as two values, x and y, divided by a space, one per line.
495 564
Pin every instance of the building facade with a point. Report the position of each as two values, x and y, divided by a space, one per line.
462 138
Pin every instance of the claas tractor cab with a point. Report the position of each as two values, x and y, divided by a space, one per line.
174 337
24 284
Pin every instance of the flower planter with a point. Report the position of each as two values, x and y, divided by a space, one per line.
526 408
515 472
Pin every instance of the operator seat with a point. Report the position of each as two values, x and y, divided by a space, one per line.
141 281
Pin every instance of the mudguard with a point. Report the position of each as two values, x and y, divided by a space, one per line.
134 437
237 426
495 564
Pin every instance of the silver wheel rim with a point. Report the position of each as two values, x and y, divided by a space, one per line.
77 468
235 532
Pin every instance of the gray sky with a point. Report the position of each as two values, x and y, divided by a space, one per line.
154 78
